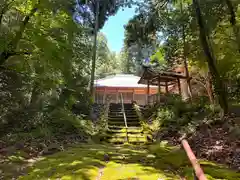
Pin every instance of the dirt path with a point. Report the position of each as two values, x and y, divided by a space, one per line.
100 174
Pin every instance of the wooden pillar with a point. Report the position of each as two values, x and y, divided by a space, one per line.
133 95
148 90
179 87
117 99
159 89
104 96
166 86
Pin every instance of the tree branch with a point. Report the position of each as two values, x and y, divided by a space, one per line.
12 46
5 55
233 22
199 82
5 8
19 53
23 26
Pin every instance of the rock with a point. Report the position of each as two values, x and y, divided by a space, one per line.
23 154
51 149
106 157
19 146
41 146
7 150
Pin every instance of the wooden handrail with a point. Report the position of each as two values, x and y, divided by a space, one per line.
192 158
123 110
124 116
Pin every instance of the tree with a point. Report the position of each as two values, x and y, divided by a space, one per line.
9 49
176 28
97 13
219 87
140 39
233 21
49 79
107 62
127 64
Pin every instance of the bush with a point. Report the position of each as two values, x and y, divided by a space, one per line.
64 121
176 113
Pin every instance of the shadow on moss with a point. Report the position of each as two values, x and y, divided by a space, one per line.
175 159
123 162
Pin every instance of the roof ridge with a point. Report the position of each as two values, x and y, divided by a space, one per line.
116 75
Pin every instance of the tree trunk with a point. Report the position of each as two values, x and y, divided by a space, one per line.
189 90
233 22
139 56
218 84
209 88
94 50
12 46
35 95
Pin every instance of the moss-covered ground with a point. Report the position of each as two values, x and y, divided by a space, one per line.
86 161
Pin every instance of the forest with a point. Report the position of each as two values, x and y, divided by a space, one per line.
46 63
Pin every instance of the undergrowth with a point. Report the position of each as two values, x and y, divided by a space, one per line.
177 116
210 135
175 157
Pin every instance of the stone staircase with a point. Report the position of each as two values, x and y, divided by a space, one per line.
117 131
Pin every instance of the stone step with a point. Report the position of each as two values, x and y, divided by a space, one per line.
130 130
117 122
117 127
121 115
120 110
122 123
130 134
114 127
122 119
120 105
130 140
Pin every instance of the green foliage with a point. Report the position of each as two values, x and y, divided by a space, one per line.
45 57
107 62
107 8
63 121
176 113
127 64
176 30
159 56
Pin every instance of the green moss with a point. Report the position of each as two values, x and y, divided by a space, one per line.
126 162
176 159
219 172
84 161
78 162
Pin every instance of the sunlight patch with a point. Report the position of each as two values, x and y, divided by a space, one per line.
36 170
62 164
66 178
74 163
